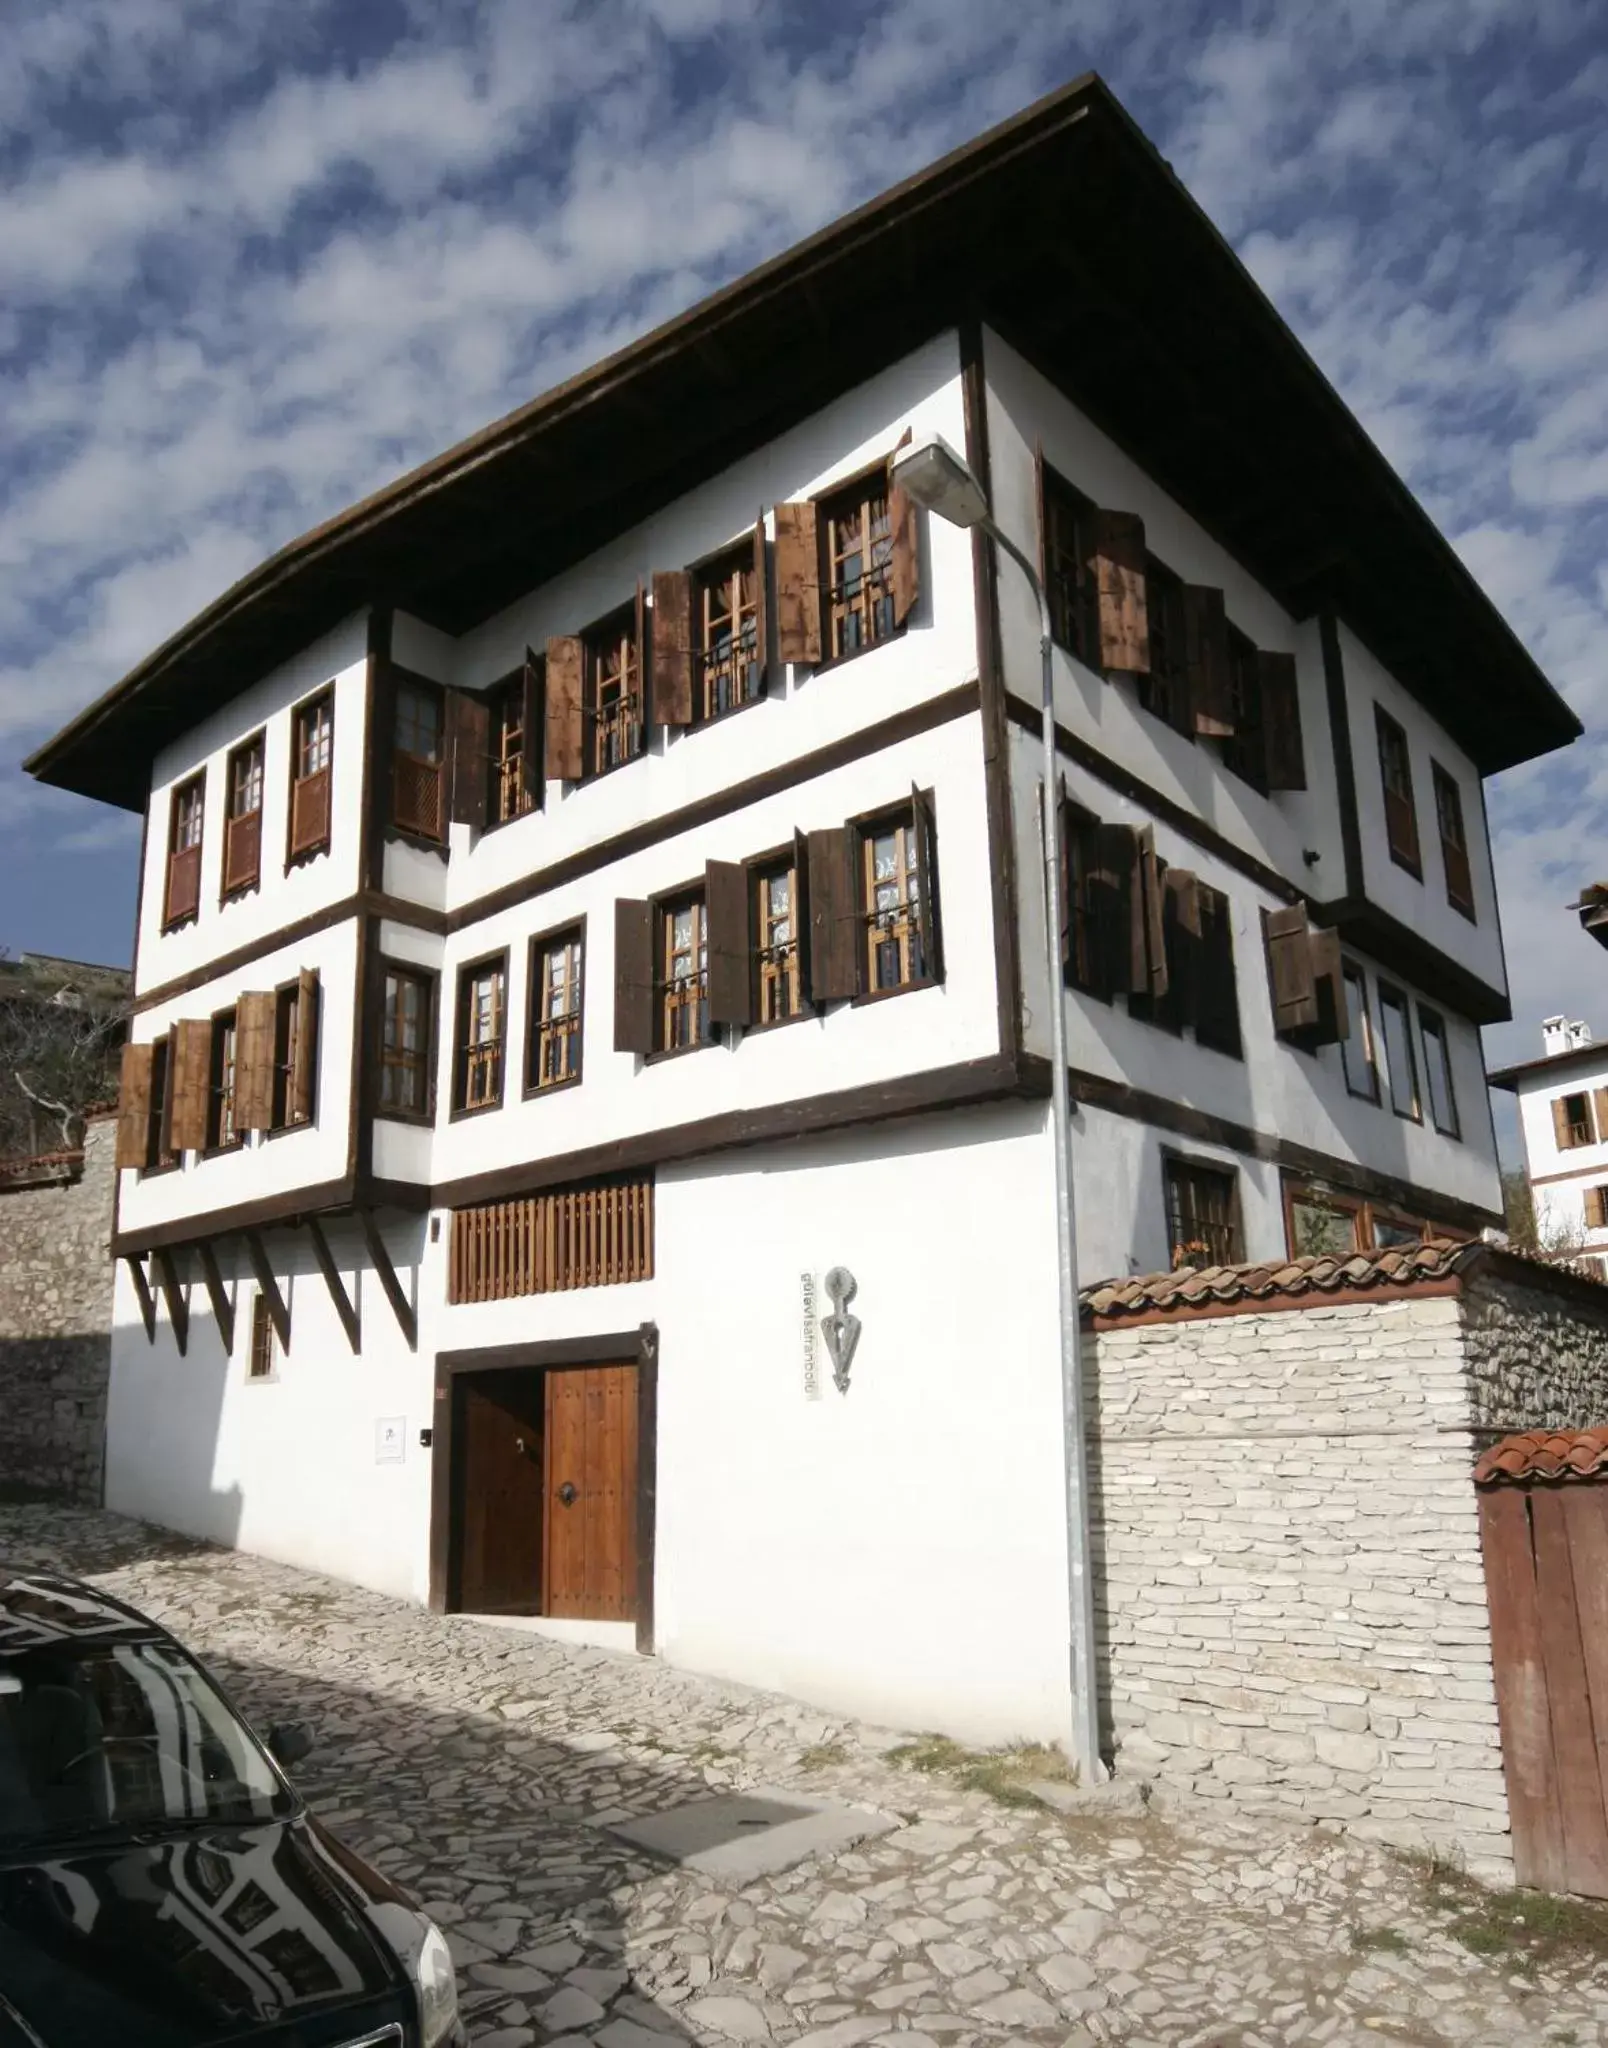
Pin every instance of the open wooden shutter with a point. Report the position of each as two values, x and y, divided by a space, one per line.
904 529
633 976
1596 1208
1281 720
1289 965
1206 661
639 631
533 740
1119 564
304 1073
566 663
731 978
672 647
761 605
469 750
134 1106
929 920
798 583
1599 1103
1151 960
254 1060
1329 980
834 927
1560 1123
1216 992
801 910
188 1075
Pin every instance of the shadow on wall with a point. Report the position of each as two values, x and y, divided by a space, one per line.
53 1441
162 1424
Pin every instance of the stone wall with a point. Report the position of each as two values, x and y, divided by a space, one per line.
55 1324
1537 1346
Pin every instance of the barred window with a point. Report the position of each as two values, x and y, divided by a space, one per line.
554 1053
780 992
482 1023
857 539
730 660
683 974
613 693
1202 1223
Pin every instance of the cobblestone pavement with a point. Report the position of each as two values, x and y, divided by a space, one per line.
478 1765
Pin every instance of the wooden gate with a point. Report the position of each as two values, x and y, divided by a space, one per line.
1544 1532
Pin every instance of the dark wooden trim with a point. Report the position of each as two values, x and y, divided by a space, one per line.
385 1272
414 1196
1345 764
647 1500
143 1295
360 1110
980 1080
1590 1175
1403 952
290 1207
341 1301
178 1307
375 796
997 790
268 1287
222 1307
1279 1304
618 1348
384 964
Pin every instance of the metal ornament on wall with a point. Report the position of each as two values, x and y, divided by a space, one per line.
840 1329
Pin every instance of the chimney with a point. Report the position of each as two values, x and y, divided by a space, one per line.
1563 1034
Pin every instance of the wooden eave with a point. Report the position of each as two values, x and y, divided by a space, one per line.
1063 229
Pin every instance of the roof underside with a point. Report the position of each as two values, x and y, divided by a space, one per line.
1064 231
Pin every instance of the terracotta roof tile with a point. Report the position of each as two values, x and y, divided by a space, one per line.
1398 1267
1545 1454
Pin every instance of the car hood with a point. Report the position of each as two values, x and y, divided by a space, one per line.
192 1939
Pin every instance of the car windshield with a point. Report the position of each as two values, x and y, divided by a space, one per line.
118 1737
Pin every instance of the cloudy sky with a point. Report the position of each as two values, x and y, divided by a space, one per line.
260 255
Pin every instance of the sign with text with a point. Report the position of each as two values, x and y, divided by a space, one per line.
812 1338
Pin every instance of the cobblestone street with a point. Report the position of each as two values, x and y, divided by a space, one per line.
481 1765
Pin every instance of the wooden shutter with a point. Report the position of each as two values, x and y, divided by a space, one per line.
1119 565
798 583
801 910
309 813
1281 720
834 928
183 884
639 634
242 852
1596 1208
304 1075
1216 993
633 976
1560 1123
731 978
1206 661
1329 982
188 1075
1599 1103
566 664
1289 966
904 529
254 1060
134 1106
533 738
761 605
469 751
1151 959
672 647
929 919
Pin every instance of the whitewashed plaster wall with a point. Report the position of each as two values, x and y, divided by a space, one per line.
1537 1092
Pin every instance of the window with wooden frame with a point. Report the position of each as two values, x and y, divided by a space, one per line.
223 1133
1453 840
612 706
1203 1219
728 614
312 754
1400 1062
1594 1208
1358 1053
295 1053
242 829
1326 1222
779 993
416 757
553 1048
1067 519
1217 1020
1573 1124
182 894
262 1354
1164 686
407 1033
161 1155
1245 749
1438 1088
1396 775
681 974
597 1235
898 900
512 734
481 1045
857 566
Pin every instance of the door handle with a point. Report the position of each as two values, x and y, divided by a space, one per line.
566 1494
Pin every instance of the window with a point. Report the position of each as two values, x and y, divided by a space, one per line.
416 759
1202 1213
1320 1225
780 990
1396 773
1217 1021
295 1053
682 975
1595 1208
613 705
596 1236
1246 752
183 897
1164 689
1454 841
1572 1121
1069 569
511 793
242 831
1438 1071
553 1055
1357 1050
261 1358
895 918
857 546
222 1133
159 1151
406 1031
482 1021
730 663
1401 1069
311 757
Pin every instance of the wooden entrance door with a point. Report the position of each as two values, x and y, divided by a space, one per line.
501 1422
589 1539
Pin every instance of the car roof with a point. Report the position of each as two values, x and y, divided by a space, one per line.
42 1608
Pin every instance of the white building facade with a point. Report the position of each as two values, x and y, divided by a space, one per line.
591 896
1563 1123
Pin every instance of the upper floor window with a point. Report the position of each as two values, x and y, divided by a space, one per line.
613 712
1438 1087
553 1054
727 621
222 1130
1358 1054
1245 749
1203 1227
406 1032
1069 564
1164 687
482 1027
895 912
312 742
515 749
1401 1068
682 976
779 990
183 892
416 759
1572 1122
1396 774
242 831
1454 841
857 556
295 1057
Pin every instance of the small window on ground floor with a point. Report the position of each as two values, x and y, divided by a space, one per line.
1326 1222
263 1355
1203 1227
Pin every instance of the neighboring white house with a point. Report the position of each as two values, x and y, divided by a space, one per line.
1563 1120
591 893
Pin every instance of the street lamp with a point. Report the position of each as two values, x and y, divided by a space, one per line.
933 475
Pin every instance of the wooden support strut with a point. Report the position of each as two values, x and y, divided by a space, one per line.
385 1272
278 1313
143 1294
222 1306
343 1304
167 1274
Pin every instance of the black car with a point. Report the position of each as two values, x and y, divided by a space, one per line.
161 1884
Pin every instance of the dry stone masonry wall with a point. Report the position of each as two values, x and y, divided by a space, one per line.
1537 1350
